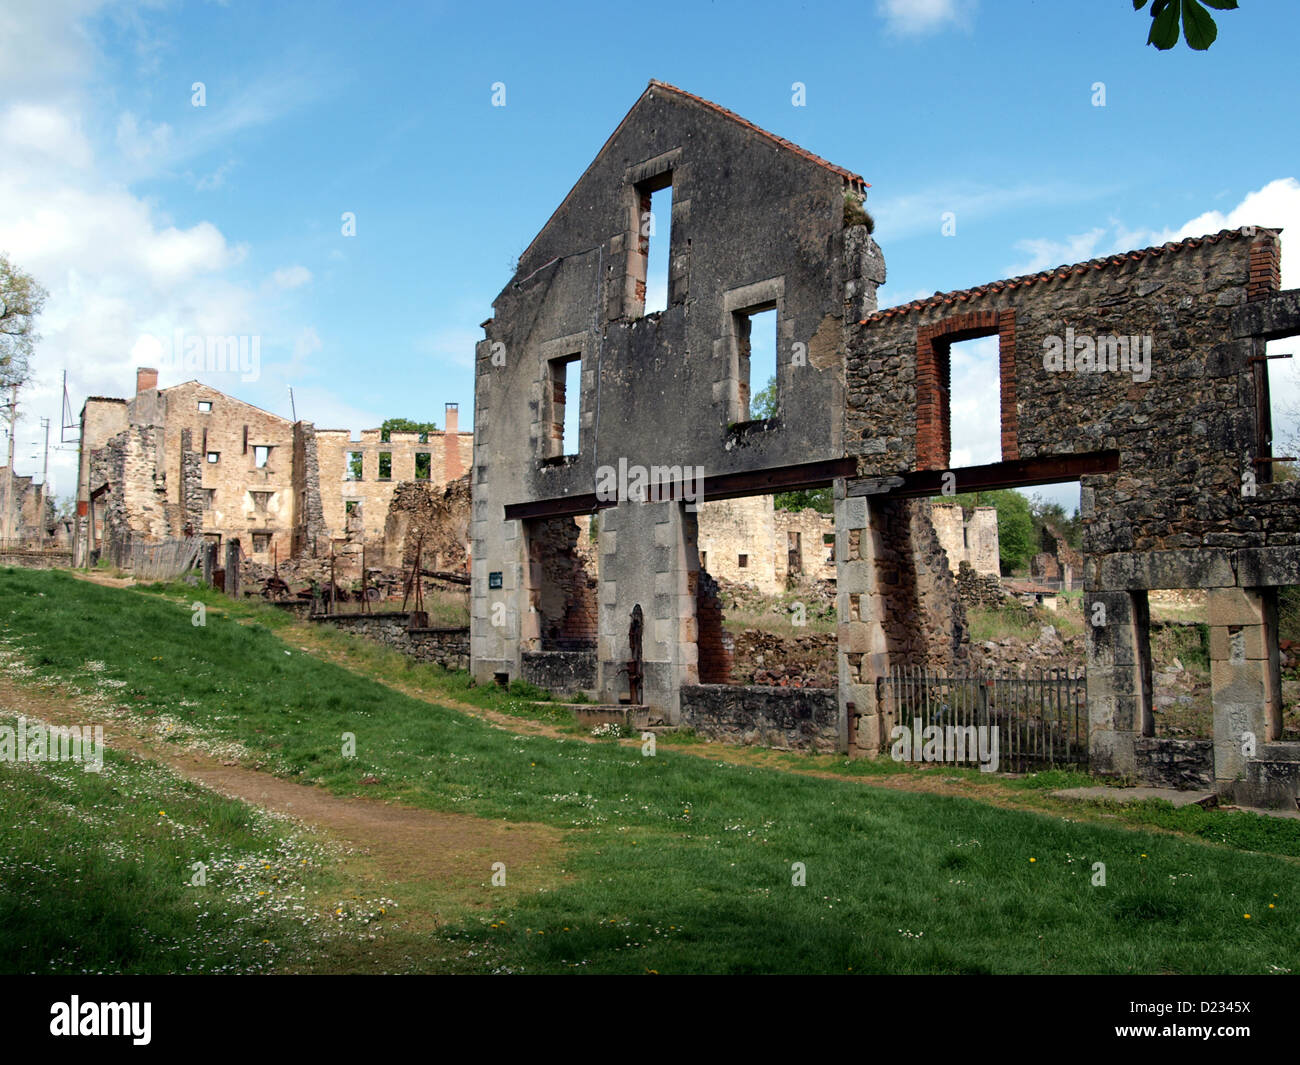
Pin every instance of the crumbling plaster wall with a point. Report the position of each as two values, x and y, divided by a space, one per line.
777 236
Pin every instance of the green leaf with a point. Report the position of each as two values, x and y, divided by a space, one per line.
1164 25
1199 29
1138 5
1221 5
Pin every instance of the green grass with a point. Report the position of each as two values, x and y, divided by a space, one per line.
680 863
97 871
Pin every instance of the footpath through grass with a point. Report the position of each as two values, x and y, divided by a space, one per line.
132 869
678 863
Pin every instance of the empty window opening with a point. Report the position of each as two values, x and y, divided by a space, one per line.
261 456
654 243
352 466
1278 430
385 465
565 383
970 376
828 542
261 542
743 561
205 406
261 501
423 465
214 456
349 505
756 376
794 552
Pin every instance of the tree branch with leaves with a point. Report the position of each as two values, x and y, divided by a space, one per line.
1198 25
21 301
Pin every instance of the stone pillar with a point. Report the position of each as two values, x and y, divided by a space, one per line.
1119 679
1245 678
649 558
232 568
860 607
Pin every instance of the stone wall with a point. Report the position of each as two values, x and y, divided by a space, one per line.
444 647
432 518
562 672
738 542
36 559
804 719
815 545
972 539
1187 765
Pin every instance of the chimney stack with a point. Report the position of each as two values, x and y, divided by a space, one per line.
145 379
451 464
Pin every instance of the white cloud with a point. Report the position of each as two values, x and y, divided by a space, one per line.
291 277
117 267
916 17
143 143
43 134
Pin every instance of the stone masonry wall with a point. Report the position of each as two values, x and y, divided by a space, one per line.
448 648
805 719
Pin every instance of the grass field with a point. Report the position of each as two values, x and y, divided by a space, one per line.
672 863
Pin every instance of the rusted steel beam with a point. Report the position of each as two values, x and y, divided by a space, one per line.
1017 474
804 475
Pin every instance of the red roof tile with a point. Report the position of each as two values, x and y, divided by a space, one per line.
1060 273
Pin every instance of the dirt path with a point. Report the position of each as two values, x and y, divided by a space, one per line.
404 843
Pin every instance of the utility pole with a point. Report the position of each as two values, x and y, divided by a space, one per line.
9 479
43 501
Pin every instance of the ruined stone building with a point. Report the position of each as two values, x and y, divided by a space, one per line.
1174 464
972 539
32 511
1055 560
191 460
748 541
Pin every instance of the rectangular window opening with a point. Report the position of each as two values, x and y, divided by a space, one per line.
756 375
205 406
385 465
565 384
352 466
214 456
261 456
261 501
970 374
654 245
423 465
261 542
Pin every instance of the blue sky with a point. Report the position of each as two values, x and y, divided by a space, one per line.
143 214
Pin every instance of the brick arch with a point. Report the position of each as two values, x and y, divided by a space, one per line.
933 341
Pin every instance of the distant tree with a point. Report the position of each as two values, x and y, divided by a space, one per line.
1053 514
21 300
763 403
1016 544
1199 28
404 425
820 499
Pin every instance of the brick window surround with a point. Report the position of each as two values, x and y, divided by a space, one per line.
933 374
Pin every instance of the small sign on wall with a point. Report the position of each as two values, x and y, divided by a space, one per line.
494 579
